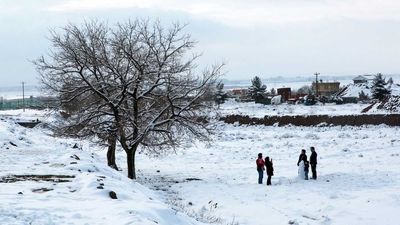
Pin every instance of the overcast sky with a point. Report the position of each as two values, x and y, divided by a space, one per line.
254 37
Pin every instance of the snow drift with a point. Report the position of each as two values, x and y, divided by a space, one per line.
45 181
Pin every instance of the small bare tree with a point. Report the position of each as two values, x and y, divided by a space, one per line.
147 92
305 90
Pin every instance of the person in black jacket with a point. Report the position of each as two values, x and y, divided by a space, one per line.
306 166
270 169
302 157
313 163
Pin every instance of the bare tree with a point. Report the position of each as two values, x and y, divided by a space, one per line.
305 90
147 92
74 74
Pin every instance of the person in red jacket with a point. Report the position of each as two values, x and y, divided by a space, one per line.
260 168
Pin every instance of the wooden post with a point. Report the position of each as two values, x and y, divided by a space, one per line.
316 84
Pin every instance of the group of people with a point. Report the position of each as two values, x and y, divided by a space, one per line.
264 165
303 163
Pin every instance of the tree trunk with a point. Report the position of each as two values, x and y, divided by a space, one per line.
112 142
130 155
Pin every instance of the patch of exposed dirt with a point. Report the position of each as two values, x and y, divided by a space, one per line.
32 177
314 120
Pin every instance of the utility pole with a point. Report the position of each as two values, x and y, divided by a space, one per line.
23 96
316 84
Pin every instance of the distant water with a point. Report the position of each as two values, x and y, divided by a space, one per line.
297 82
275 83
270 85
13 92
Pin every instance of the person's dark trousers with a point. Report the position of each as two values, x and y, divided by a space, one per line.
314 171
269 180
260 176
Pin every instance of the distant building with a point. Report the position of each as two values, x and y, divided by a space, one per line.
326 88
239 92
360 80
240 95
285 93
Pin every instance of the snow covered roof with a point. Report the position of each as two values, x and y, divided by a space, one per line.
395 88
360 77
354 90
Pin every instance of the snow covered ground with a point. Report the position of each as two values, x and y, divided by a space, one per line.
259 110
358 183
28 115
84 196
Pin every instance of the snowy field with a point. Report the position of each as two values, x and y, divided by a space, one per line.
359 176
214 183
259 110
28 115
84 196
